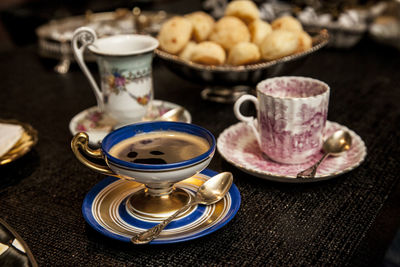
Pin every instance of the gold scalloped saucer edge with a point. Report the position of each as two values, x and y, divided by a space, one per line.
28 139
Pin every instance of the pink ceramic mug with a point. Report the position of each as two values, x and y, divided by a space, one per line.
291 115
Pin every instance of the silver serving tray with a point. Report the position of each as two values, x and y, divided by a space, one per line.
54 38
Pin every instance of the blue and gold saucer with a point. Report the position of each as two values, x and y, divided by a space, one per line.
104 208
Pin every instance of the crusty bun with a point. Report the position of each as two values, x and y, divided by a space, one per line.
258 30
243 9
243 53
208 53
175 34
229 31
186 53
279 43
288 23
202 25
305 41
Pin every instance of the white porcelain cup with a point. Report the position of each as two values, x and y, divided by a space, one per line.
125 70
291 116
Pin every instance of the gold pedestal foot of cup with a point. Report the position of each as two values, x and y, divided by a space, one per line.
157 207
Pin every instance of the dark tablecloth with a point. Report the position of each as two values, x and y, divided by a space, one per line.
349 220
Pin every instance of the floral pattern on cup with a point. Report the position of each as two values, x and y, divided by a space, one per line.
124 63
97 120
117 80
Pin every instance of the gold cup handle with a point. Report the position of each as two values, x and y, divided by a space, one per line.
81 140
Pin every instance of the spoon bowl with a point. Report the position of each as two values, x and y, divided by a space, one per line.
172 115
208 193
335 145
214 189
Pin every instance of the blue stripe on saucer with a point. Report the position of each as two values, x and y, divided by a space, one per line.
88 204
90 219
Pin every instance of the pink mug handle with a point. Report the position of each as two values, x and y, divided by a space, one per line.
250 120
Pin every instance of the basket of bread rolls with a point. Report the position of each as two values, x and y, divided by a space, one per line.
237 49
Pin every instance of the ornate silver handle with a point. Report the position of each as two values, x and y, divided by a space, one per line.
83 37
311 171
148 235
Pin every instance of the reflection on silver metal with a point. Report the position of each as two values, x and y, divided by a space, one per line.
145 203
174 114
63 66
386 29
209 193
53 35
335 145
222 94
148 23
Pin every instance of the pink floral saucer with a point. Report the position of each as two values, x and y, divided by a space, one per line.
97 124
238 145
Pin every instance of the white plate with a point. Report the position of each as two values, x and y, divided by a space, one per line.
238 145
97 125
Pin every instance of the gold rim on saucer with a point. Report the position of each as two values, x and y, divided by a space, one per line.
28 139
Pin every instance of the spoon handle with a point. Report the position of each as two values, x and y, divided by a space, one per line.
148 235
311 171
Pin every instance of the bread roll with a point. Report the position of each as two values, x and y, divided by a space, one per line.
208 53
186 53
202 25
258 30
288 23
279 43
229 31
243 53
175 34
305 41
243 9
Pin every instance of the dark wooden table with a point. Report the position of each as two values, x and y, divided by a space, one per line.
349 220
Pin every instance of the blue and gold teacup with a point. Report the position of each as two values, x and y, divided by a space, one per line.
156 154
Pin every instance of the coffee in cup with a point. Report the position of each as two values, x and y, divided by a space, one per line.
162 147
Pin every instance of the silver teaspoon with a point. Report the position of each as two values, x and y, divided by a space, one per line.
172 115
209 193
335 145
